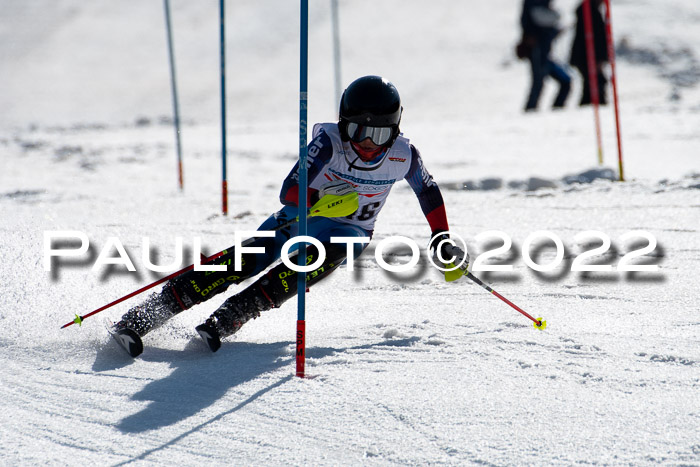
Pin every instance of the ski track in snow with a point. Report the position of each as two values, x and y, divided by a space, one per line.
405 368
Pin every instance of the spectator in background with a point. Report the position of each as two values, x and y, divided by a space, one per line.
540 27
600 44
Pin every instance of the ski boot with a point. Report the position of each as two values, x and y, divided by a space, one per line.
235 312
270 291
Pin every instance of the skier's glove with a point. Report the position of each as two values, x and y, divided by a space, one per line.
446 253
335 188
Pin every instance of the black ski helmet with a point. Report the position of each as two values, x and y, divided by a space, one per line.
370 101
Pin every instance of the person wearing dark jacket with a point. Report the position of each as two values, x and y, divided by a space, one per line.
600 44
539 29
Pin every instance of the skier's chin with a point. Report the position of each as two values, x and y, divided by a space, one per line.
367 154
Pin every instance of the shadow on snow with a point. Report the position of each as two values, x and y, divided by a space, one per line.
201 378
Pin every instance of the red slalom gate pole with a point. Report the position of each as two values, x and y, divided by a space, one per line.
611 57
592 74
539 323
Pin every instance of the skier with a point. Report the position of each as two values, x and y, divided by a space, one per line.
363 152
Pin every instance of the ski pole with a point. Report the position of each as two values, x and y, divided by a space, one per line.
328 206
538 323
79 319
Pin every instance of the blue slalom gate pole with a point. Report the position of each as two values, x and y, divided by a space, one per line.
303 185
173 86
224 182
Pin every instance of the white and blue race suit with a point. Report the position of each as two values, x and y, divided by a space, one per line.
329 159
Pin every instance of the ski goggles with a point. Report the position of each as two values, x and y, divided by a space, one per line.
380 135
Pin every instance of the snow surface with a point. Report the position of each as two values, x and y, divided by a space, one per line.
408 369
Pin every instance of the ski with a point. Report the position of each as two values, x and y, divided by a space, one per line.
209 336
127 340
